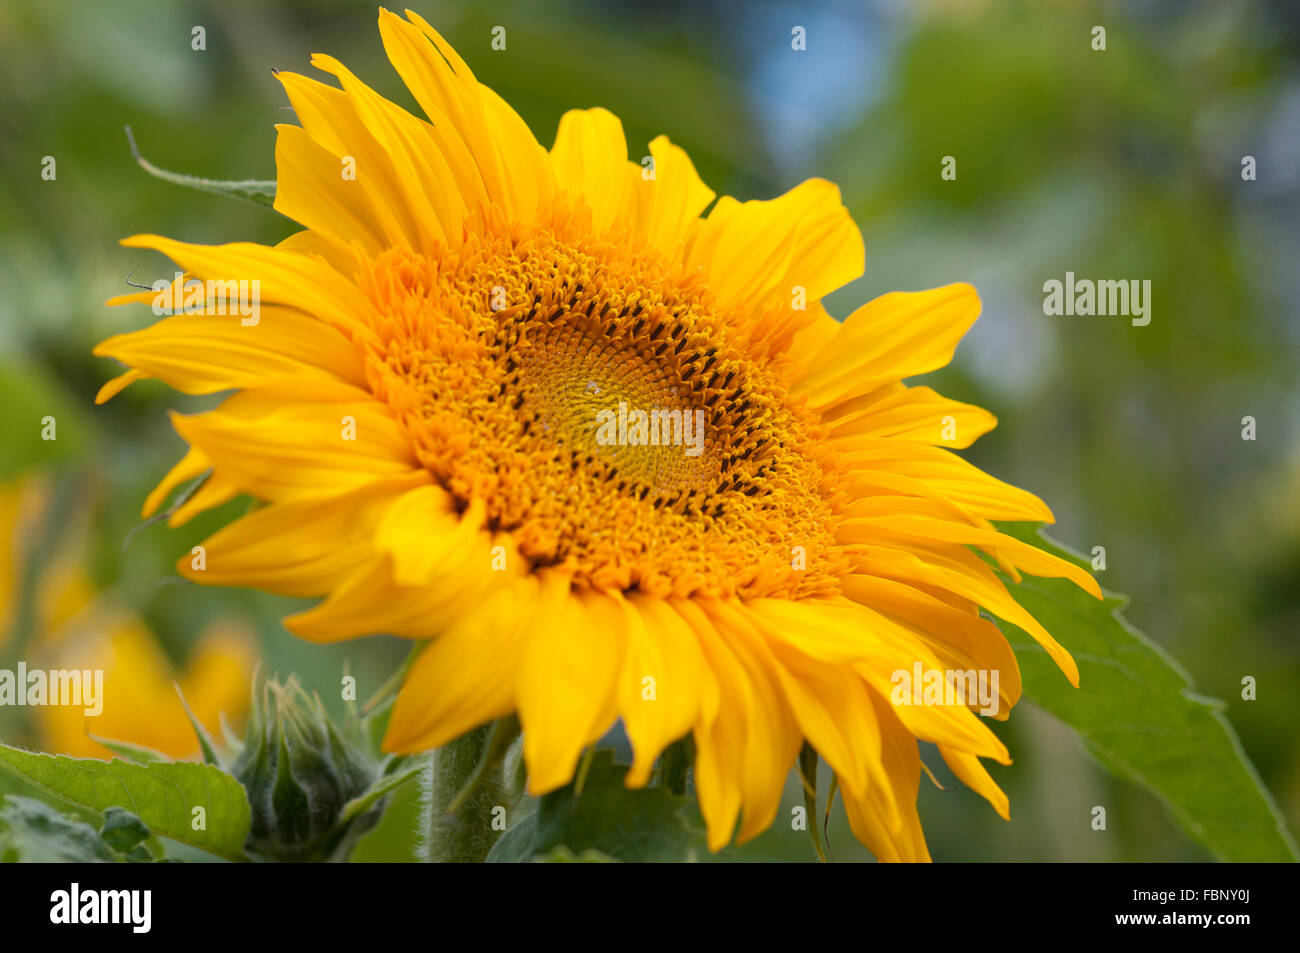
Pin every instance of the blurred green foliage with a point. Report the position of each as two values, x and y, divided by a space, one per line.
1117 164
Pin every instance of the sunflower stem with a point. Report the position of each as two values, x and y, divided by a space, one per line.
502 735
465 835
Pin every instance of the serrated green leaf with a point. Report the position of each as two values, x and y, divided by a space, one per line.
257 191
32 832
647 825
162 795
1136 713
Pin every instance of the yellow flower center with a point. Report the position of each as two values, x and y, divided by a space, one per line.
591 398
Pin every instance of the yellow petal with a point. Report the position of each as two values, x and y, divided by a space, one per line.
755 251
530 186
895 336
908 414
567 680
466 123
369 601
295 549
274 447
967 767
772 738
467 675
719 740
310 188
590 158
928 529
846 633
423 173
204 354
422 532
833 708
672 201
332 119
194 463
920 470
118 384
807 342
660 687
346 259
213 493
959 570
960 640
885 820
285 277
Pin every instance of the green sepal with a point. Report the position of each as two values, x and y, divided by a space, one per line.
257 191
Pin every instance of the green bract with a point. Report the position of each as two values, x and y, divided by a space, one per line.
300 774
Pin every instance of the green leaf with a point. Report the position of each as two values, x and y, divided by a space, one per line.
606 820
1136 713
163 795
32 832
257 191
131 752
206 744
122 831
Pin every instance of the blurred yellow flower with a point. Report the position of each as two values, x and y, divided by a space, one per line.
74 627
141 705
63 588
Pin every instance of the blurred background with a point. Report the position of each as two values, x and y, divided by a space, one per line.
1119 164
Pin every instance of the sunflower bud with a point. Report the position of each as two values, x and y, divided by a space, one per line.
300 773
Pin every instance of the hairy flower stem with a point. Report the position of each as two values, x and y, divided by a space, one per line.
466 835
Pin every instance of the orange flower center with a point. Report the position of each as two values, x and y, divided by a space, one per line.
595 404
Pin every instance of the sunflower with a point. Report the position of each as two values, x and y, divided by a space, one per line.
416 406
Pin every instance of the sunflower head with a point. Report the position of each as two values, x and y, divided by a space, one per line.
591 436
